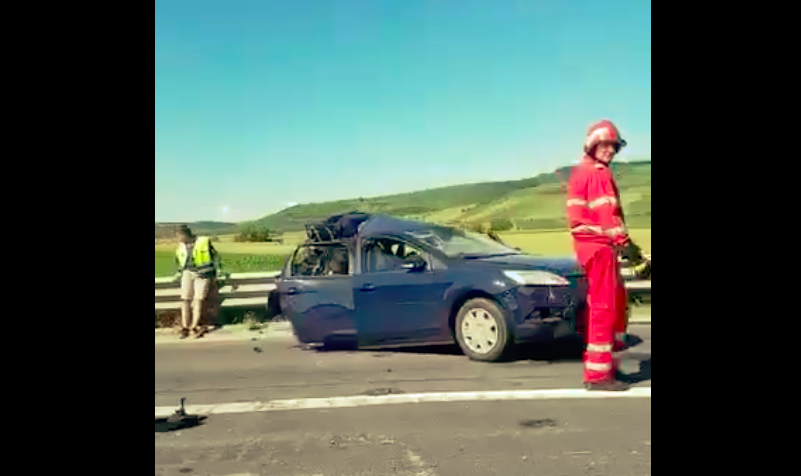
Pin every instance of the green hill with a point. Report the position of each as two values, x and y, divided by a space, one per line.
531 204
167 230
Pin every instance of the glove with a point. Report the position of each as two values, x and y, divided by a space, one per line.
639 264
643 270
222 279
633 254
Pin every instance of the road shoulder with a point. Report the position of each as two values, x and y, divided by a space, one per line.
283 330
238 333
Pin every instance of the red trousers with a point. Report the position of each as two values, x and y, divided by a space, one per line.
608 318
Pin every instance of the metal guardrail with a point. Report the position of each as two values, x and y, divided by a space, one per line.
253 290
240 290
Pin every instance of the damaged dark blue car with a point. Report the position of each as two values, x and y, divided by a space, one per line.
382 282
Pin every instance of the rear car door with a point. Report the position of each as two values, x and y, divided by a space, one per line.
316 293
396 306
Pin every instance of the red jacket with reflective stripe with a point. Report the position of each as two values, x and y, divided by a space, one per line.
594 209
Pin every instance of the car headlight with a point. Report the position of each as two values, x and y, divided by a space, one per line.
536 278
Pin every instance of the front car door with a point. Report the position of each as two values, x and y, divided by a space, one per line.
316 292
395 306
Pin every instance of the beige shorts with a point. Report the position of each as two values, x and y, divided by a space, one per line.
194 287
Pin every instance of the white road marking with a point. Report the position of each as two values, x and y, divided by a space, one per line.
356 402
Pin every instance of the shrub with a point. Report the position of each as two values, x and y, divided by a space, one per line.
256 234
502 225
167 319
479 228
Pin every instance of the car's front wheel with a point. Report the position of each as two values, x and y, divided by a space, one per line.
483 332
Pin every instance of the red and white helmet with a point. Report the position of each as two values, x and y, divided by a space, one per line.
604 131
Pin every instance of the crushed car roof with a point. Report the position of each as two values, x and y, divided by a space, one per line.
388 225
371 225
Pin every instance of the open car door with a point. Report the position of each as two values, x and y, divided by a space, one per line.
316 293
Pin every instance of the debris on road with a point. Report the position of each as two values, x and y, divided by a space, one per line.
180 420
344 442
538 424
383 392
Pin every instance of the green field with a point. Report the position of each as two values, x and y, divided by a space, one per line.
531 204
263 257
237 257
233 263
559 243
535 204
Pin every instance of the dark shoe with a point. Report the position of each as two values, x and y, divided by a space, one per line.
199 333
608 387
184 334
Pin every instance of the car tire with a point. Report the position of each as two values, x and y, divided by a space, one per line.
487 319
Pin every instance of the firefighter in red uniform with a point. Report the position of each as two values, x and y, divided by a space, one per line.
601 237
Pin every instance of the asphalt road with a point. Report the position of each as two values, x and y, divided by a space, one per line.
553 437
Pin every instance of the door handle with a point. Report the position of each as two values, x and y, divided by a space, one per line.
368 288
292 291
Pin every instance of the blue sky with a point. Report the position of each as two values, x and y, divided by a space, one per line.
262 103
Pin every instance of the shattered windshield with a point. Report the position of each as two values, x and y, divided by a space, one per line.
456 243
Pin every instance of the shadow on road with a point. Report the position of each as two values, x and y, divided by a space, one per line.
164 426
568 349
644 375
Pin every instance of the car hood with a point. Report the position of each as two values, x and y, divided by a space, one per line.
566 267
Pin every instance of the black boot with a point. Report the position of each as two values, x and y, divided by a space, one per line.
621 377
615 386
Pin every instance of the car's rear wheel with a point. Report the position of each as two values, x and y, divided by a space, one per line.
483 332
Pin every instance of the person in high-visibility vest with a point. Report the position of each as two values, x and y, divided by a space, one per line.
198 266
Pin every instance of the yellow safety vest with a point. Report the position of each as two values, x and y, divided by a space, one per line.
201 255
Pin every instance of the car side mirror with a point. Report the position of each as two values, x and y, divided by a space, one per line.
415 263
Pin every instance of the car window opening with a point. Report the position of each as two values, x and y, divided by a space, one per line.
389 255
321 261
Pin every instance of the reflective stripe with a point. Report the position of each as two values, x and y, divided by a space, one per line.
575 202
620 231
604 201
601 135
599 367
588 229
204 269
600 348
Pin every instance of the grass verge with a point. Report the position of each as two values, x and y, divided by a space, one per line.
232 263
